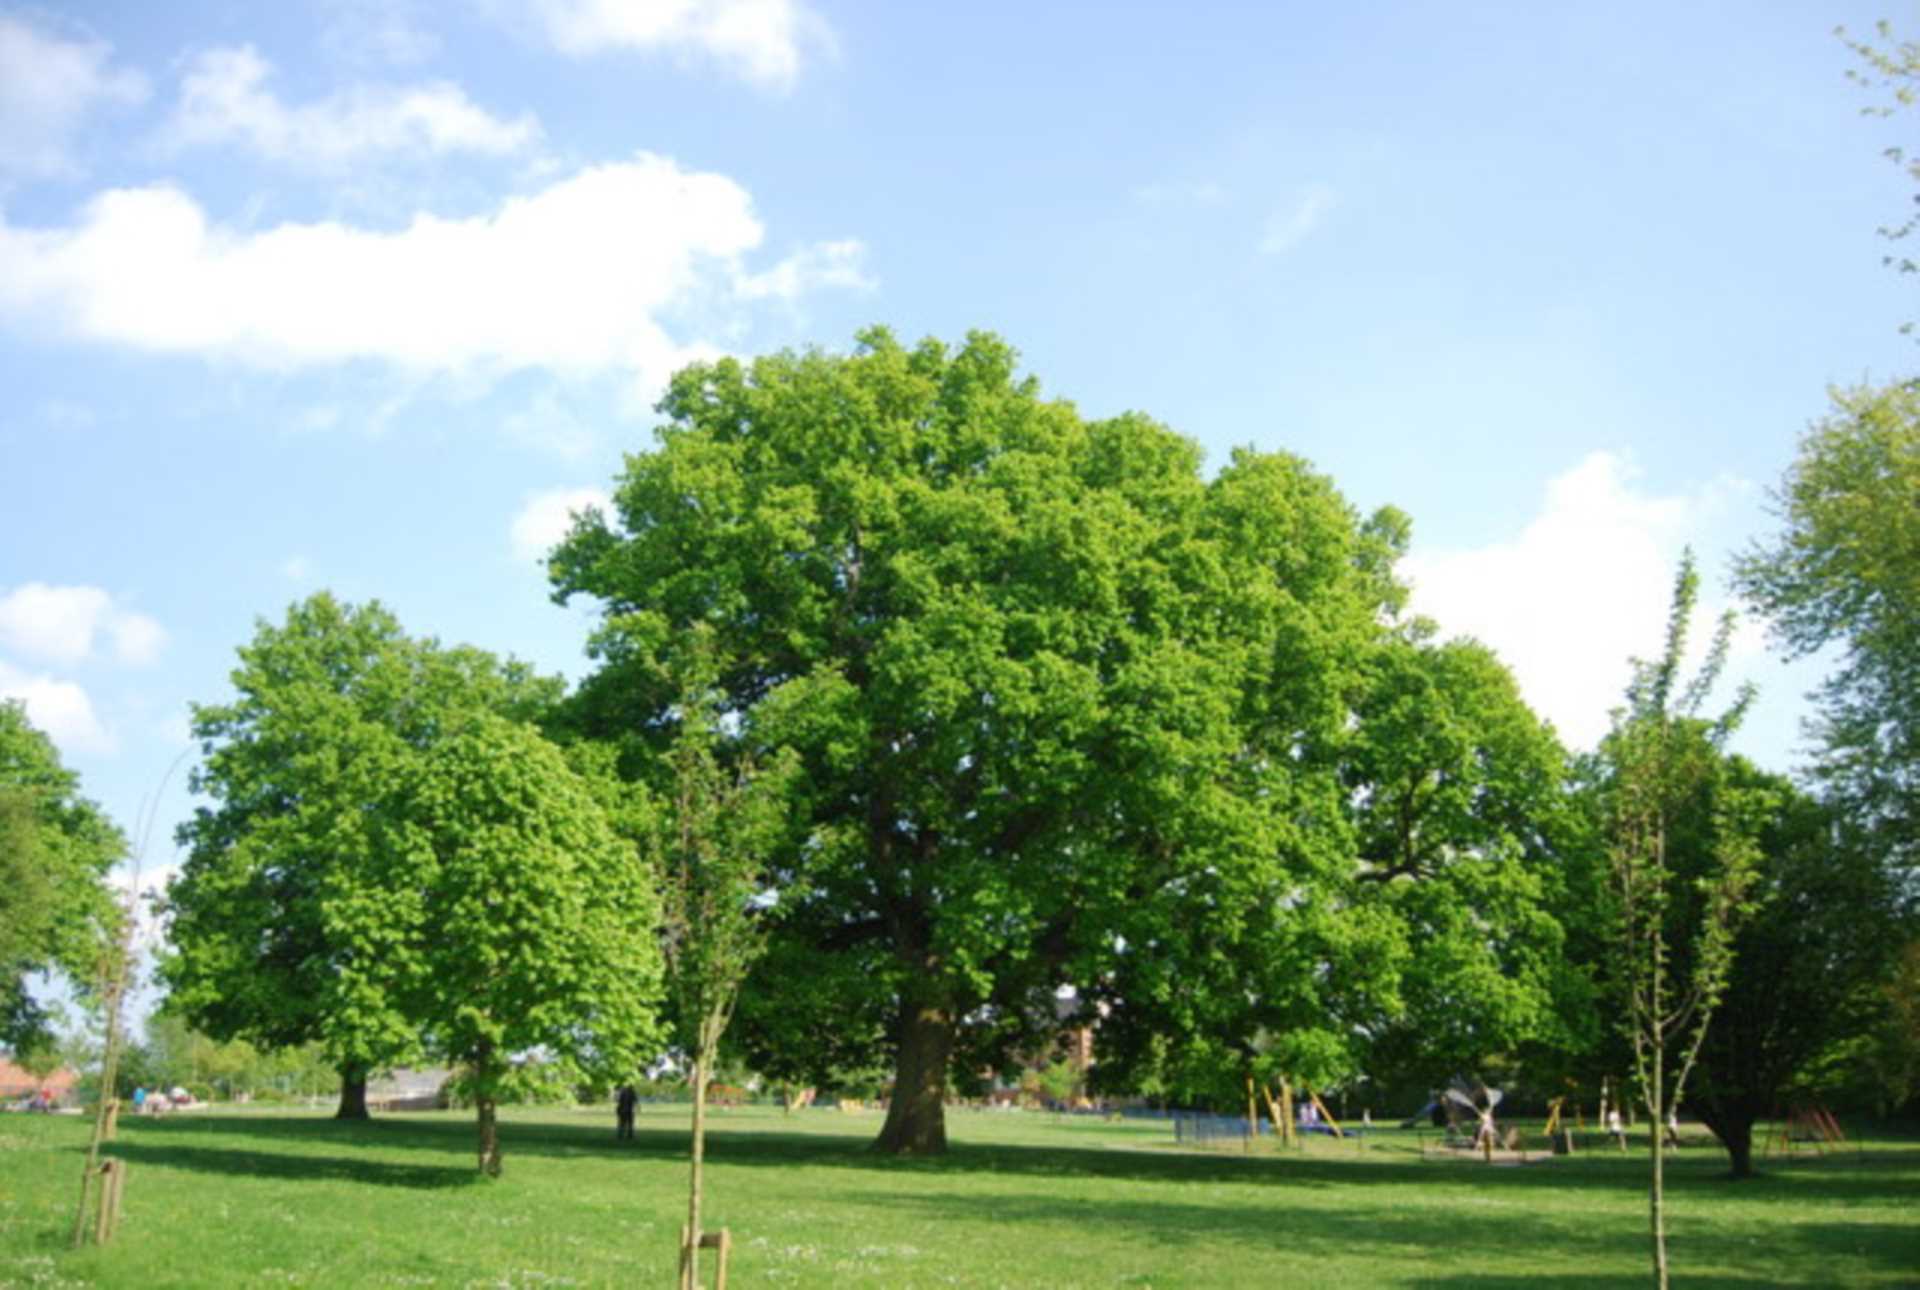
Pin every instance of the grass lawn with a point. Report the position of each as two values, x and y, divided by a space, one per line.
221 1198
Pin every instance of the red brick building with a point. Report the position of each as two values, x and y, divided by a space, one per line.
16 1083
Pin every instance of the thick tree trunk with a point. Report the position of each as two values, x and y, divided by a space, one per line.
917 1116
1740 1150
353 1094
1736 1135
489 1136
1734 1127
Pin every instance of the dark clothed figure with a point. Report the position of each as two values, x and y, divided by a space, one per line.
623 1107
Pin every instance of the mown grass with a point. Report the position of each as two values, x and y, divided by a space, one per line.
236 1199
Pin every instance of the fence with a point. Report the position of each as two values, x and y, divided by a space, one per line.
1200 1130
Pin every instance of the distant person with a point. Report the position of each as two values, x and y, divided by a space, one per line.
139 1098
623 1110
1617 1129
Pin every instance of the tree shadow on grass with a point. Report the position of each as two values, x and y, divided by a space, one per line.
754 1145
1847 1253
202 1156
1564 1246
1682 1271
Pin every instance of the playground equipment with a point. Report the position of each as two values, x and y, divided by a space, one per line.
1809 1123
1480 1101
1557 1131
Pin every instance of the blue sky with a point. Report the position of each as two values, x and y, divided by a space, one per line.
364 296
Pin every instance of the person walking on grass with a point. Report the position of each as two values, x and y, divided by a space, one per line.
623 1109
1617 1129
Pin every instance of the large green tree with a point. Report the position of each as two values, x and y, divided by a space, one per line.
1460 798
1809 960
330 707
56 848
1060 699
516 931
1428 944
1844 572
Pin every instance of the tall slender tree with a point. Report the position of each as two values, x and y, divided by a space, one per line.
725 822
1659 759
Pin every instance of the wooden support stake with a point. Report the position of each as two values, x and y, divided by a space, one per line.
119 1185
102 1201
1273 1112
721 1240
106 1215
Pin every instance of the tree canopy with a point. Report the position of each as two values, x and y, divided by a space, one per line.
1069 711
515 929
1845 572
270 938
56 849
1460 802
1808 959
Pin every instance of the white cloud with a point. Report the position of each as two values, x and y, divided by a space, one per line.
547 517
296 568
60 708
761 40
60 625
573 278
828 264
137 639
224 99
1289 227
48 85
1585 587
